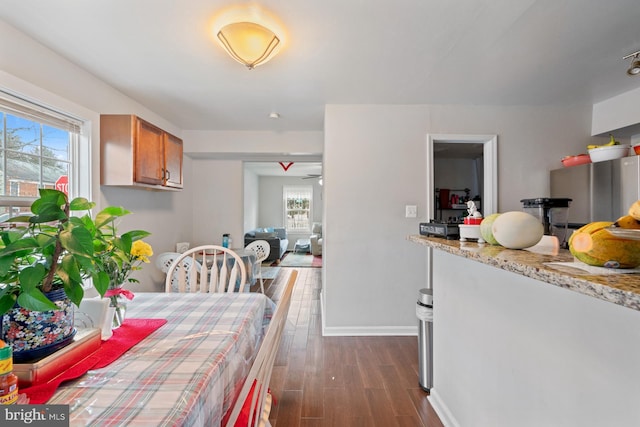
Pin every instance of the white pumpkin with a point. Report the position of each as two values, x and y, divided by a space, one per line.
517 230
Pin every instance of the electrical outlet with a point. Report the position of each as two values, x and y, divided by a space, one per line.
411 211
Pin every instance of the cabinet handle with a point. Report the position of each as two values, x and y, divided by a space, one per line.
168 172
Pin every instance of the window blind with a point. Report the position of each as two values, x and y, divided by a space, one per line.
32 111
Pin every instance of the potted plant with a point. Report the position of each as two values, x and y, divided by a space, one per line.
44 265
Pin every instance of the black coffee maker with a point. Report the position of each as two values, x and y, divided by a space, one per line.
553 213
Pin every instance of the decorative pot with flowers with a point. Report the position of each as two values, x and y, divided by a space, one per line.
45 258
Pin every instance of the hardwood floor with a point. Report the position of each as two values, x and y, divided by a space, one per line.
341 381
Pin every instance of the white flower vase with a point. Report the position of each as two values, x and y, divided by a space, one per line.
107 324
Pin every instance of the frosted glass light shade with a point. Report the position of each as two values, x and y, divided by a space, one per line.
248 43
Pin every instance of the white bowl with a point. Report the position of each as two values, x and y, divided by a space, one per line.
609 152
468 231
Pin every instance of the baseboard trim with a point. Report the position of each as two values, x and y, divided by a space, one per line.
442 409
346 331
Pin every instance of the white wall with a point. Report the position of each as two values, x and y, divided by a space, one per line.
251 200
457 173
218 201
617 112
374 164
252 143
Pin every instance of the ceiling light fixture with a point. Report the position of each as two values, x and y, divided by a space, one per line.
634 69
274 115
248 43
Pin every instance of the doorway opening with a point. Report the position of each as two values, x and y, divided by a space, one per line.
466 166
265 206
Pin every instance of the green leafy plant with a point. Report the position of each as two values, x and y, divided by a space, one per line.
59 250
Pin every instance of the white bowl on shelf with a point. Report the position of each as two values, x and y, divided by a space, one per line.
608 152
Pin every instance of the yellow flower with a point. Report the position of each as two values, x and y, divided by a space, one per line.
141 250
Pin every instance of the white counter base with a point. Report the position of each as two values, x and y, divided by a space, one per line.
510 350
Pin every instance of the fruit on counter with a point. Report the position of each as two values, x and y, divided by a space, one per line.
594 245
612 141
485 229
627 222
634 210
517 230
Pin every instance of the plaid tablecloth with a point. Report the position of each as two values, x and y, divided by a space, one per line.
184 374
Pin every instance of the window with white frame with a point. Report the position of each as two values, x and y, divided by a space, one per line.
38 149
297 208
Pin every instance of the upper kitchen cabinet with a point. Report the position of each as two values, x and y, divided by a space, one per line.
619 115
136 153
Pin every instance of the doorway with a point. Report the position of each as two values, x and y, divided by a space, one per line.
461 147
264 182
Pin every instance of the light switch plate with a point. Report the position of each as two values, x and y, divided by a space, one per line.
411 211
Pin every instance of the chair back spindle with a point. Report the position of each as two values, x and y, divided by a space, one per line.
206 268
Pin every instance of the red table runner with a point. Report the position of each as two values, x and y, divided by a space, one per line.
126 336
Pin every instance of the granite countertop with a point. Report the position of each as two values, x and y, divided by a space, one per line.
612 286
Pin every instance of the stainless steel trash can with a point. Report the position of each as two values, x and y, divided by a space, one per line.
424 312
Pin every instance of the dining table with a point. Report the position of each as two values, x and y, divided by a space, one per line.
188 372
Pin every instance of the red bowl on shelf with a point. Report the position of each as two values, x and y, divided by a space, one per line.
580 159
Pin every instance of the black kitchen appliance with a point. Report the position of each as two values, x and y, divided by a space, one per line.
448 230
553 213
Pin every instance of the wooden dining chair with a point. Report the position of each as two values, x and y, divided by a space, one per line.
212 269
262 249
253 405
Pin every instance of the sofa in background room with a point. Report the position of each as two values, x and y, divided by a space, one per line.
277 238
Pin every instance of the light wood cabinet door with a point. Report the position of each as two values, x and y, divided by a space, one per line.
136 153
173 161
149 154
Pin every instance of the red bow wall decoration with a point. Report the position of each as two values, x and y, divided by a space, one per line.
287 166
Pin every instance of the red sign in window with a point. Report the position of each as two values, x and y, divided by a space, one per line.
62 184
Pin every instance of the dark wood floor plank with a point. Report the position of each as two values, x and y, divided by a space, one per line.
345 407
407 421
312 422
397 392
288 409
282 357
313 396
369 364
425 411
341 381
380 407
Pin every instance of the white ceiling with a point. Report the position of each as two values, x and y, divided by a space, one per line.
488 52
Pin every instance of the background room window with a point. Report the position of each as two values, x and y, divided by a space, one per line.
297 208
38 149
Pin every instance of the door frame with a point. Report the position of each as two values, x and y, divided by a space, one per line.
490 160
